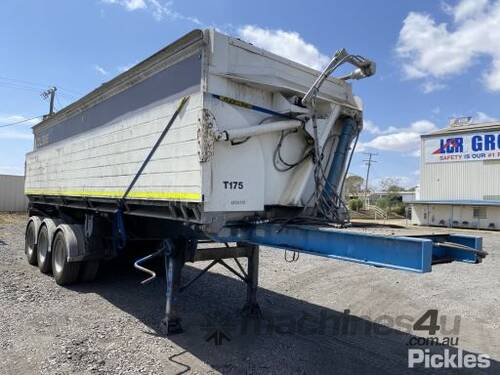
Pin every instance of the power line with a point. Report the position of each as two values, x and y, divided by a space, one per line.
19 122
59 104
9 85
38 86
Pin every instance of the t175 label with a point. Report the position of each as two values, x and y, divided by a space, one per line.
233 185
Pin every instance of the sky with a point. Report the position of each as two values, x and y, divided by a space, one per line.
435 59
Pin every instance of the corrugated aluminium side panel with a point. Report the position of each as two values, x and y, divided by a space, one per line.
12 196
85 159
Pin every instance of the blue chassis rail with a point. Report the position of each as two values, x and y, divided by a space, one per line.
409 253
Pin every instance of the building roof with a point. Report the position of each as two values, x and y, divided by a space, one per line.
458 202
483 126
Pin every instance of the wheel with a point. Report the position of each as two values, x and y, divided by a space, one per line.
30 243
89 270
64 272
44 243
42 250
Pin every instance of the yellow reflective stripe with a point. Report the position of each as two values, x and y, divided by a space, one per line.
119 194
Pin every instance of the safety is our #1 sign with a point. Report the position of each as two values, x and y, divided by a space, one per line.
463 147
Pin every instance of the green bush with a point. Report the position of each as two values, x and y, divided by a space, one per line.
384 203
398 209
355 204
391 206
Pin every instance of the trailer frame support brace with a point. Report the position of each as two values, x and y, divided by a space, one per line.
174 262
251 308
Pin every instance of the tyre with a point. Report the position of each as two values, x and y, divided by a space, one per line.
43 251
44 243
89 270
30 242
64 272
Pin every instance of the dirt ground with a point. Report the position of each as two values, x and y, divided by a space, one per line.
320 316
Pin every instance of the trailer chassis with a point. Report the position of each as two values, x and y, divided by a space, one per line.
409 253
91 232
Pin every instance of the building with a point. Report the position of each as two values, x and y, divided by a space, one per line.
12 198
406 196
460 177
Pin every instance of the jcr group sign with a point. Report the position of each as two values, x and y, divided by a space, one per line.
463 147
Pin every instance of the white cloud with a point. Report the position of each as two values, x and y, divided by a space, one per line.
402 139
492 76
438 50
422 126
288 44
128 4
101 70
466 9
395 142
135 4
431 86
158 9
360 147
483 117
123 68
370 127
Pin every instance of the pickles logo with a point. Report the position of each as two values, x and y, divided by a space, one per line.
448 359
445 354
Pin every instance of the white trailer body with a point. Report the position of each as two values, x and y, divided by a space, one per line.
92 149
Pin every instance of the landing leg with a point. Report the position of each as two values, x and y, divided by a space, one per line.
251 308
174 261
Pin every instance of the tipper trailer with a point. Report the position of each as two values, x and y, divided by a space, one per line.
210 140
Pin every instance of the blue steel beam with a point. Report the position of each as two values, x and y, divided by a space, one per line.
470 241
459 247
403 253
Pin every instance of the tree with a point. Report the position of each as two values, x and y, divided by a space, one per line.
353 185
392 201
391 184
355 204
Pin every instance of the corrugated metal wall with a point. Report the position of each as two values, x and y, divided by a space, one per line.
12 196
476 180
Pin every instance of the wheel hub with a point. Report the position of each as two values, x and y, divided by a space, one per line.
58 254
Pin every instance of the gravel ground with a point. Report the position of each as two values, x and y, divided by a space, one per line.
111 326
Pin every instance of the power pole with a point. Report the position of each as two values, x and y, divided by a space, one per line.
50 93
368 163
